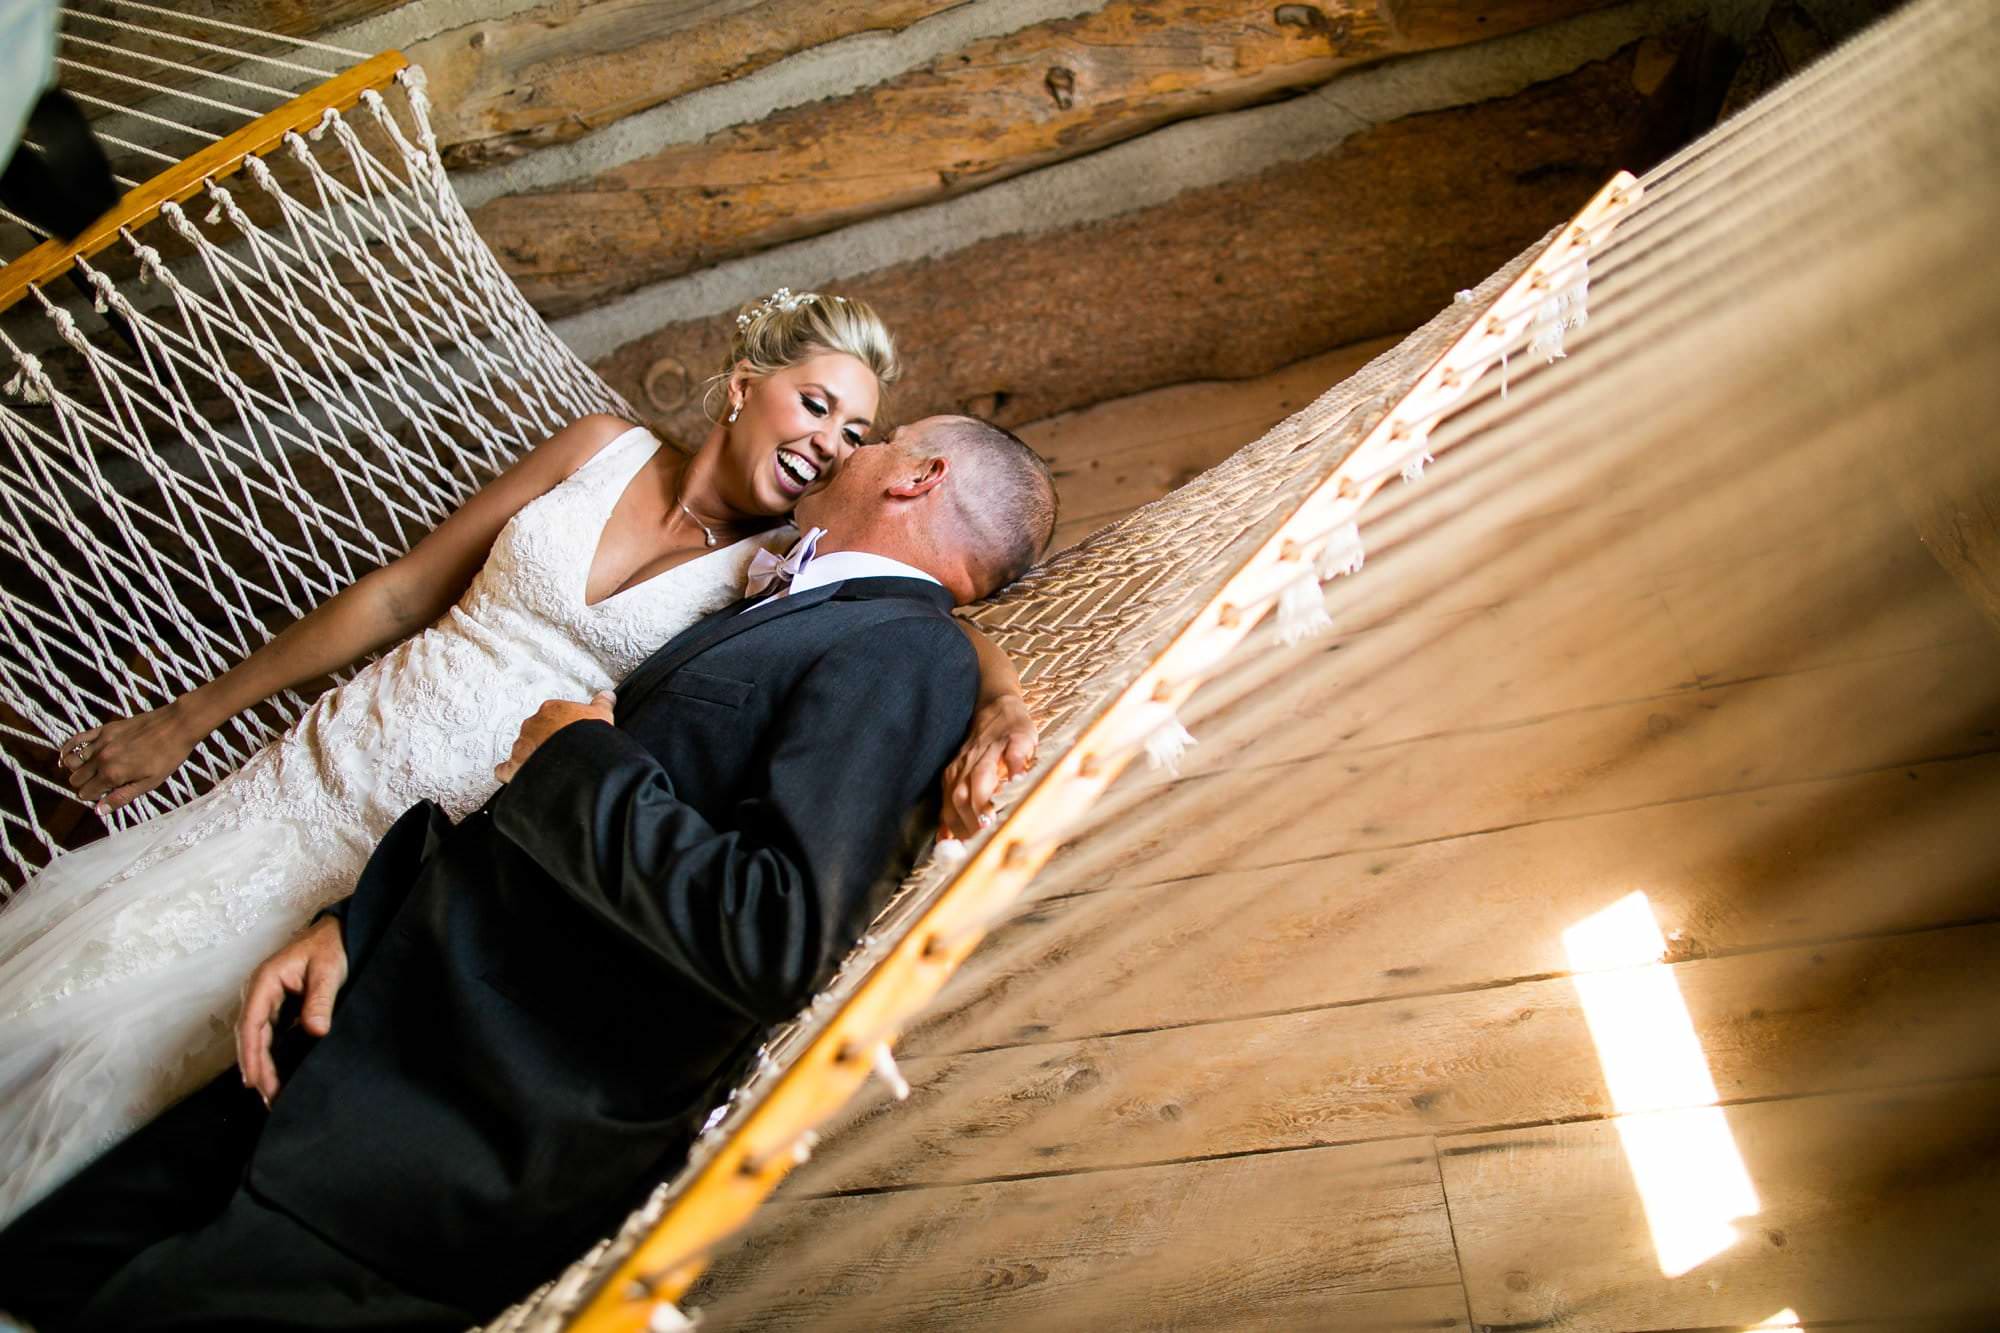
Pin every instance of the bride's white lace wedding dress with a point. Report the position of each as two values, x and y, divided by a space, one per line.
121 964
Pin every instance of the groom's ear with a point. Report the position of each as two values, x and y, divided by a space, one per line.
925 479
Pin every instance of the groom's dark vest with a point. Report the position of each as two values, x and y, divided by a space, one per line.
544 1000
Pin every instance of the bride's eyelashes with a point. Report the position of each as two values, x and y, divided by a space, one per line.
854 437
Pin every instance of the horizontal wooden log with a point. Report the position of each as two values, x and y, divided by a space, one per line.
1813 1019
1870 1207
1351 1238
1233 280
998 108
508 85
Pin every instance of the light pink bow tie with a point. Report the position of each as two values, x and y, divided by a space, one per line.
767 569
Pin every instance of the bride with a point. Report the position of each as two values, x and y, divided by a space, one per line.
120 963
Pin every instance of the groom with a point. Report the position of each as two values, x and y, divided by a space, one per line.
537 1006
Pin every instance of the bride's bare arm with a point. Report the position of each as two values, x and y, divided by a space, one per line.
1001 744
126 757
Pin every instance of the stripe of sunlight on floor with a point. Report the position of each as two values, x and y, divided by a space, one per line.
1690 1176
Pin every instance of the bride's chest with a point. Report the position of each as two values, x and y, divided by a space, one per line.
634 548
563 569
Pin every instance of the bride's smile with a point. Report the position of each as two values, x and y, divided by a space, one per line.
796 471
786 433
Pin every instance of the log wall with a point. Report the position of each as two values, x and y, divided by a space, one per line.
1057 202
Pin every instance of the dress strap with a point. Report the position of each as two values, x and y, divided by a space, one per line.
634 446
605 476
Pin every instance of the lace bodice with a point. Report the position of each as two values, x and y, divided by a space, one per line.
429 720
521 634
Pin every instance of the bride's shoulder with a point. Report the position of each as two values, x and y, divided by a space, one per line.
588 439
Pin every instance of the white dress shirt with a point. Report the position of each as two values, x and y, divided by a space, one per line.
835 566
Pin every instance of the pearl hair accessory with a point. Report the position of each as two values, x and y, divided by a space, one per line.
782 299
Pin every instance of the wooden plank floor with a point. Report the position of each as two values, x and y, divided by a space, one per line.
1306 1037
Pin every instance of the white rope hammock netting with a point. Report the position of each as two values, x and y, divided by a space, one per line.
330 360
273 389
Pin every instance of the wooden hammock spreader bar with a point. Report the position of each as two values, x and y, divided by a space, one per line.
775 1133
52 258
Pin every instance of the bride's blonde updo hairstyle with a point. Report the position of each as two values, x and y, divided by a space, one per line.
786 328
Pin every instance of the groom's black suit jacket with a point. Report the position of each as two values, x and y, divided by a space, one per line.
544 1000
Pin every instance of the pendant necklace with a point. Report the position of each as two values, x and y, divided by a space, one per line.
707 533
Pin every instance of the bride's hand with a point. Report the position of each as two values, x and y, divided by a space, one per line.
1001 746
115 764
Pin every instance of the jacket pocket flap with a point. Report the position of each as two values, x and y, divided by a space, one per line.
714 689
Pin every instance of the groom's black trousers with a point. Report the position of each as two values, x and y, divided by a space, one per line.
159 1233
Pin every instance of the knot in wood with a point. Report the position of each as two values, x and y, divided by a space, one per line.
1081 1079
1062 86
666 383
1312 20
987 405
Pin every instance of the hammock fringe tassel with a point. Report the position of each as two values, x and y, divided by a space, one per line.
1302 611
1168 743
1344 554
1566 310
892 1077
670 1318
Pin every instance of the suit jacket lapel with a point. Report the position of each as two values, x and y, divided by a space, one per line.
724 624
734 619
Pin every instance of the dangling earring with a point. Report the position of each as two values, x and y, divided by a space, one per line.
736 411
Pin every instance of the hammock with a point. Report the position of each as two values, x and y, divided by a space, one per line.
332 459
279 380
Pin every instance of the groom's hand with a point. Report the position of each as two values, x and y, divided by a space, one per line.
1001 746
313 966
550 718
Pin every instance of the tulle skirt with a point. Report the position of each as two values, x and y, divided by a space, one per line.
121 972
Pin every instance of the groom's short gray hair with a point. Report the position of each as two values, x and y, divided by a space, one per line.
1004 494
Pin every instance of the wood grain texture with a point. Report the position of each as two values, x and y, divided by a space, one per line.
1950 491
1873 1206
1565 638
995 109
1349 1238
1724 874
1924 705
1371 237
1812 1019
506 86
